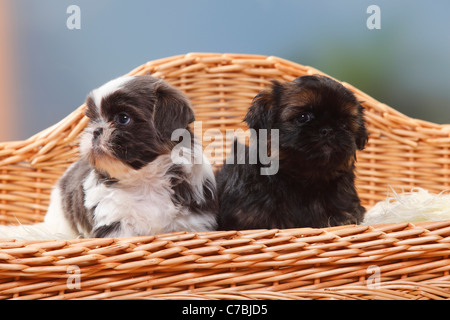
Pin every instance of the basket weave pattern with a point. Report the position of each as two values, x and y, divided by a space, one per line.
258 264
292 264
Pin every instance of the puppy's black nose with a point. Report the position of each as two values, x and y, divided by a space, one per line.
97 132
326 131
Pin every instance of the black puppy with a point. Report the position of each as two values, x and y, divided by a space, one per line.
320 126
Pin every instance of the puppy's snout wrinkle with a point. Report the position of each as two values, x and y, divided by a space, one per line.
97 132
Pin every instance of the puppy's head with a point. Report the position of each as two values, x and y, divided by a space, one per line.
131 122
320 122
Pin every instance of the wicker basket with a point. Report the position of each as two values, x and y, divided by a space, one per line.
391 261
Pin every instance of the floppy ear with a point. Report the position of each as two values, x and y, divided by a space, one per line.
261 114
172 110
362 135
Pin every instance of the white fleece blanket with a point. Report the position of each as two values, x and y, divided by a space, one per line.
417 205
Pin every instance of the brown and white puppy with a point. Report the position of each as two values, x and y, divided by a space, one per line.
125 183
320 127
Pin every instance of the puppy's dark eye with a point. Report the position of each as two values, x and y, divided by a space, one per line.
122 118
305 117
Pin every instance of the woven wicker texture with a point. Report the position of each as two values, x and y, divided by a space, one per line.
268 264
258 264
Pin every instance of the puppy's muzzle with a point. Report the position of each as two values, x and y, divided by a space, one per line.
325 132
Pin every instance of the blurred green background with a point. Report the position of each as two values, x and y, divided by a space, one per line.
405 64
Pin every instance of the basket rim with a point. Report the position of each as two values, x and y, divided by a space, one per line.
174 60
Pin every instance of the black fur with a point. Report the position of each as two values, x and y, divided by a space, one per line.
104 231
321 126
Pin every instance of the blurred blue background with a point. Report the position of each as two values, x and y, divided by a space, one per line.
405 64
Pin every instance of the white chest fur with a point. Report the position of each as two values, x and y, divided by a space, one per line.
142 202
